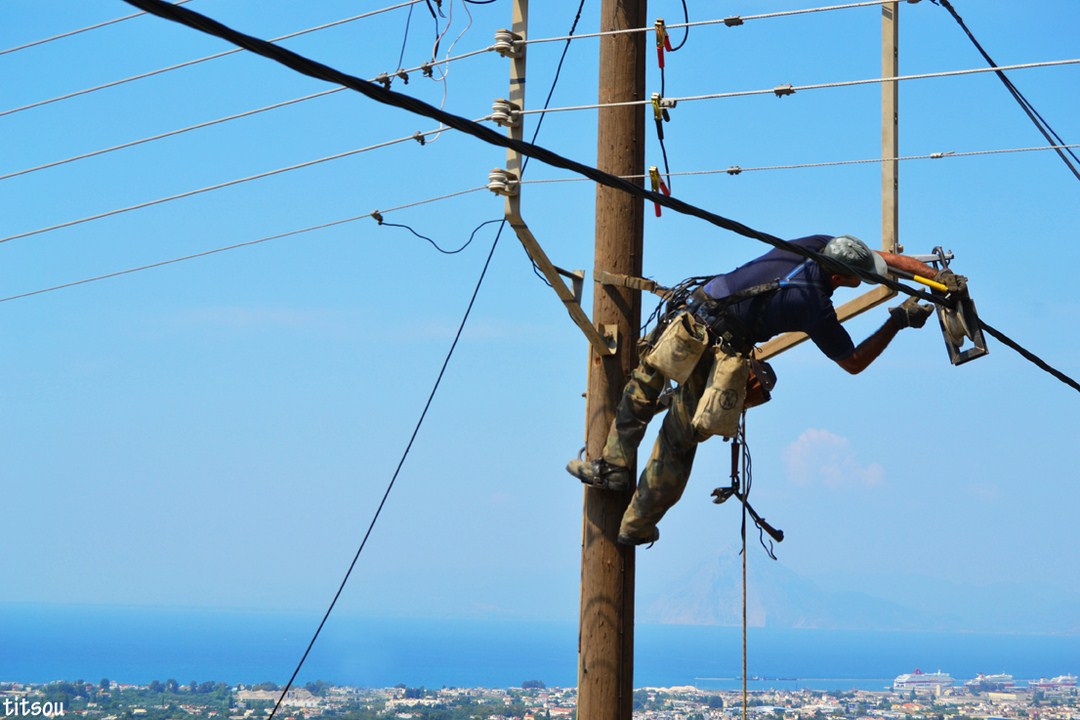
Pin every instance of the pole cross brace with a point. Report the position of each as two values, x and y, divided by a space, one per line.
604 277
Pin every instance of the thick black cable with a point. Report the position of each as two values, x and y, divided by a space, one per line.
311 68
1030 356
479 2
375 92
1044 127
397 471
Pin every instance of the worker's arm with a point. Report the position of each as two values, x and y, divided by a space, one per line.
909 313
870 348
907 264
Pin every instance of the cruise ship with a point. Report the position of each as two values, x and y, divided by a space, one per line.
920 680
1058 683
997 681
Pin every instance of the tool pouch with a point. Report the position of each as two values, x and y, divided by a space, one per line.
679 348
760 383
722 402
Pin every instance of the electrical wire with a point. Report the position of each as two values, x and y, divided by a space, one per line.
314 69
1029 109
405 40
236 246
435 244
731 21
189 63
397 470
70 33
783 90
219 186
171 133
686 27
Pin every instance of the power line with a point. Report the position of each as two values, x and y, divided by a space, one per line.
69 33
738 170
219 186
196 61
171 133
317 70
236 246
1033 114
730 21
783 90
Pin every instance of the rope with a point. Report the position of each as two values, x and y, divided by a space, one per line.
235 246
69 33
219 186
317 70
789 89
189 63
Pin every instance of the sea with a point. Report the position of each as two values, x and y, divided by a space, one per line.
136 645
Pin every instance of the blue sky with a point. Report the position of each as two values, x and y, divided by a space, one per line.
218 432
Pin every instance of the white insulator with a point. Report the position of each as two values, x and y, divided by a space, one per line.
508 44
502 182
505 113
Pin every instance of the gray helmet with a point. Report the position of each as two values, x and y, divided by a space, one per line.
852 251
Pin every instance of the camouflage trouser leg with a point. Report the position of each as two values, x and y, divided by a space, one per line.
636 408
664 479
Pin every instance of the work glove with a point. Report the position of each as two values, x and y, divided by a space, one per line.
955 283
911 313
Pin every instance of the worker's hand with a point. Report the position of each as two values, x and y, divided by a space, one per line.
955 283
911 313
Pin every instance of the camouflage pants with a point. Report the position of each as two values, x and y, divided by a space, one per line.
668 469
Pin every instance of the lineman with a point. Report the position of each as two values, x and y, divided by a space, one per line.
775 293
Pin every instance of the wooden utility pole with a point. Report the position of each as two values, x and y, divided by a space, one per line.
606 640
890 120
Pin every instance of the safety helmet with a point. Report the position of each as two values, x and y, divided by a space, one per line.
853 252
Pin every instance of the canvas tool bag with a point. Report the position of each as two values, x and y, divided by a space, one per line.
722 402
679 348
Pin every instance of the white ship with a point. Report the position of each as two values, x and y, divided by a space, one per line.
1061 681
997 681
920 680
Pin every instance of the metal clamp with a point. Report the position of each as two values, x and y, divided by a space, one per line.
782 90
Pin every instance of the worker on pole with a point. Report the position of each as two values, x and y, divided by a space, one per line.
730 314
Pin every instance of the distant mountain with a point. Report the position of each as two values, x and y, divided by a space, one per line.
777 597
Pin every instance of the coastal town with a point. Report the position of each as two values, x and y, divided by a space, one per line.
913 696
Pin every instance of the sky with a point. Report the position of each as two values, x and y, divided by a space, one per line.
218 432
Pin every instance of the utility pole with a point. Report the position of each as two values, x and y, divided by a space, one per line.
890 120
606 639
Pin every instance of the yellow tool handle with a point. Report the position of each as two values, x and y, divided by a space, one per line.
930 283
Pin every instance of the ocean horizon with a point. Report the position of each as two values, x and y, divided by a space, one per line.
136 645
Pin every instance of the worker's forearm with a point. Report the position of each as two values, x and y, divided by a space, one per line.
908 264
870 349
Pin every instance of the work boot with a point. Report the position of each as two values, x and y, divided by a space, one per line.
648 538
600 474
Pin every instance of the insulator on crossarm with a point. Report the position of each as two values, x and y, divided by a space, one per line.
503 182
505 113
508 43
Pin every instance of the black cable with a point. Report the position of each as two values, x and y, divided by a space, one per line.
1044 127
317 70
479 2
1030 356
435 244
547 103
397 471
686 14
405 40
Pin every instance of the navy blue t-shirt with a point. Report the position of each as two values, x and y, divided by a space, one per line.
803 303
